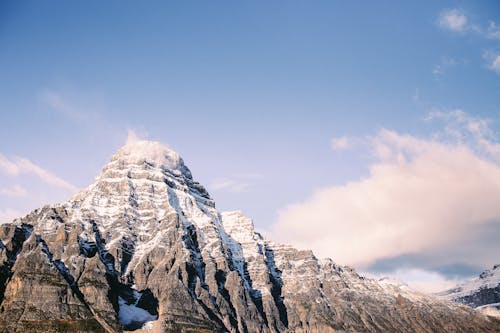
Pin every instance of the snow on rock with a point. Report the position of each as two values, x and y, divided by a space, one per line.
482 292
143 188
145 206
130 314
152 152
490 309
488 279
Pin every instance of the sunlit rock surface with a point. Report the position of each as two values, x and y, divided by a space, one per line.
144 248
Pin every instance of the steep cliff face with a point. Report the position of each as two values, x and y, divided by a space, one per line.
143 248
482 293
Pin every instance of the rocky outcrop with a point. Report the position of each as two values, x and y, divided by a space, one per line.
144 249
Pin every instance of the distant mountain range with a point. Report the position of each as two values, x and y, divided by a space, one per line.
482 293
144 249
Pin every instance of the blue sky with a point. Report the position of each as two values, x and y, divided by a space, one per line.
253 95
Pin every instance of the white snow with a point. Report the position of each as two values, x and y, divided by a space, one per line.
130 313
488 279
490 309
150 151
146 189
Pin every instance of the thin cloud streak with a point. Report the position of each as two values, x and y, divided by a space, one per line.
445 65
16 191
237 183
19 165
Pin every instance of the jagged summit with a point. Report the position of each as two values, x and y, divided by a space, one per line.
153 153
143 248
488 279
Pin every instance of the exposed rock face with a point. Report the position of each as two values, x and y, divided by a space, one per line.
482 293
143 248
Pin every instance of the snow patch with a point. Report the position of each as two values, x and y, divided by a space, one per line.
130 314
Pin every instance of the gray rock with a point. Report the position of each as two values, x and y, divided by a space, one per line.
144 249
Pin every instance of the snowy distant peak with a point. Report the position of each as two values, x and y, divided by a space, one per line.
490 278
491 273
152 153
480 291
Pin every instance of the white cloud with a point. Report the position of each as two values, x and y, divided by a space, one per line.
237 183
463 127
453 19
495 64
16 191
134 135
420 279
446 64
56 102
422 194
231 185
340 143
20 165
493 31
456 20
492 59
437 71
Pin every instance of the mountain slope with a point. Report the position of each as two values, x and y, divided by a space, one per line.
482 293
143 248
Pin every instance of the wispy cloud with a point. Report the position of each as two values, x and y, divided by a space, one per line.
421 195
236 183
453 20
134 135
445 65
456 20
16 191
57 103
419 279
7 215
493 31
416 96
463 128
75 112
19 165
341 143
492 61
88 112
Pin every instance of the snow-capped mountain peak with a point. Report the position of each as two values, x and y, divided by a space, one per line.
488 279
153 153
145 247
482 293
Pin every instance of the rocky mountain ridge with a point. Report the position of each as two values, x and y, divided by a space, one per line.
144 249
482 293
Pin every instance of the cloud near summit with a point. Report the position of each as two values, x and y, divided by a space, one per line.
422 195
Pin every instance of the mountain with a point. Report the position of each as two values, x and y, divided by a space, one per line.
482 293
144 248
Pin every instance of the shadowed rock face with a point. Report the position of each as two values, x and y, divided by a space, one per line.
144 249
